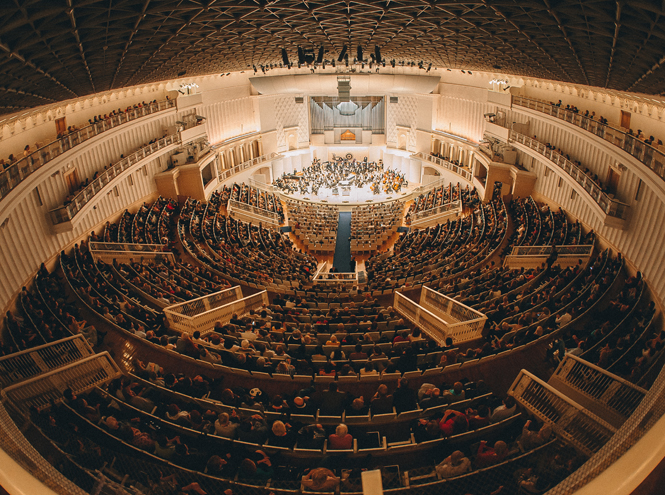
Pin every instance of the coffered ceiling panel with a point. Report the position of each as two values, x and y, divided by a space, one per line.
53 50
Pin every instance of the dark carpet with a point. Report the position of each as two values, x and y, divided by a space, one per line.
342 261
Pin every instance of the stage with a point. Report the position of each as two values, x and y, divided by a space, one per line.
356 196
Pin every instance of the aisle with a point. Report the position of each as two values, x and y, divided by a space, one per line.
342 260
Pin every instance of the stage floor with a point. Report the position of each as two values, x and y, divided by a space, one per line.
357 196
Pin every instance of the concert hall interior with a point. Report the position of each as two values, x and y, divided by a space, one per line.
272 247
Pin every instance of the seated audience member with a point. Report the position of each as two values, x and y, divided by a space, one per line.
357 407
432 398
453 465
532 439
224 427
369 369
478 418
341 439
426 430
320 480
332 401
382 402
453 423
506 410
488 456
281 435
404 398
311 436
358 354
456 393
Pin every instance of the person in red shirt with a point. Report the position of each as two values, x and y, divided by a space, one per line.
488 456
341 439
453 423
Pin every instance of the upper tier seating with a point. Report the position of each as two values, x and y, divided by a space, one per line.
16 169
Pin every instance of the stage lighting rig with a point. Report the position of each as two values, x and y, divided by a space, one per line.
342 54
377 54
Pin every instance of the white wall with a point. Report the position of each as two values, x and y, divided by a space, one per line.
460 110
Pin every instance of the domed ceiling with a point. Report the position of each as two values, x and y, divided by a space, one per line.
54 50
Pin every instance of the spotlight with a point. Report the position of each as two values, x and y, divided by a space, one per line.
463 72
342 54
377 54
319 57
333 62
470 72
392 62
301 56
285 57
359 52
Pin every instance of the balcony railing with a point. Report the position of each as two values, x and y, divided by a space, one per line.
610 206
15 173
225 174
446 164
66 213
650 155
260 213
569 420
437 210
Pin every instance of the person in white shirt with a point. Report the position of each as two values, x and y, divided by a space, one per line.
564 319
453 465
504 411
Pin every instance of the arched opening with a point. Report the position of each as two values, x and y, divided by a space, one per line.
293 142
401 141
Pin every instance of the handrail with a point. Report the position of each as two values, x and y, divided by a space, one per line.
80 376
225 174
31 362
649 155
586 431
223 305
445 164
453 205
67 212
15 173
603 387
267 214
126 246
562 250
610 206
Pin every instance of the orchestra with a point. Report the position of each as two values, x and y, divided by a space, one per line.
343 172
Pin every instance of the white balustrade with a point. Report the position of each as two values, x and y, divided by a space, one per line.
201 314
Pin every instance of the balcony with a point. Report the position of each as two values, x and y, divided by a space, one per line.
17 172
613 210
225 174
461 171
653 156
62 216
